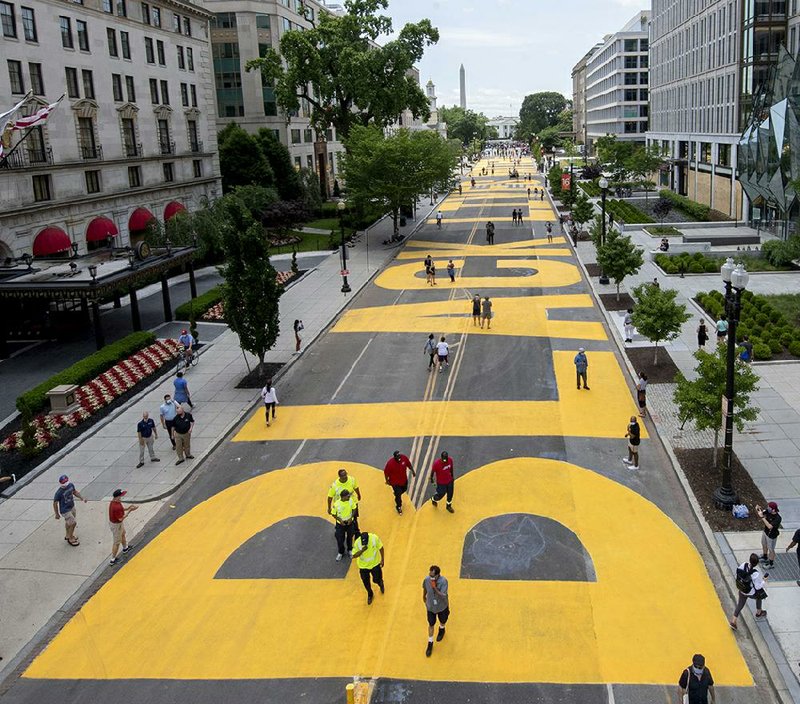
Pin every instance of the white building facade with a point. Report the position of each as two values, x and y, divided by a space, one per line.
506 126
617 81
134 138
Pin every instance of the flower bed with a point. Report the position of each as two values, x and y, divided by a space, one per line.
98 393
216 313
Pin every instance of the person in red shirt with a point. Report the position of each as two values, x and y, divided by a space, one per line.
443 474
117 513
396 473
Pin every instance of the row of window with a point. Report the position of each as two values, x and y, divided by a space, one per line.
8 22
42 184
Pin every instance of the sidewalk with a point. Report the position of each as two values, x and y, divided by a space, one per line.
769 448
38 569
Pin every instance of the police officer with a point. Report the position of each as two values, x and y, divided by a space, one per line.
343 511
342 482
369 554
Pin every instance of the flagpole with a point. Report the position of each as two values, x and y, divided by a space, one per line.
6 156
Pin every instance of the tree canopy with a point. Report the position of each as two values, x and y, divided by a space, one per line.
241 161
287 180
540 111
339 72
392 170
465 125
619 257
657 315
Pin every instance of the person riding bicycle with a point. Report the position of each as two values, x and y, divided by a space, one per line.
187 341
439 219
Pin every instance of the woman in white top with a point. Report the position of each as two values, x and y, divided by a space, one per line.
270 397
750 583
443 352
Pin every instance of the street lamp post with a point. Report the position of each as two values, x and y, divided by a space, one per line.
735 278
603 183
345 286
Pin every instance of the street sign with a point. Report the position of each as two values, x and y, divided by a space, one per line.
344 272
566 181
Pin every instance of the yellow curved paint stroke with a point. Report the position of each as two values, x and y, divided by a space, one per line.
164 615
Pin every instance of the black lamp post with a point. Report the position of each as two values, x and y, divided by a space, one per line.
93 273
735 278
345 286
603 183
28 260
74 246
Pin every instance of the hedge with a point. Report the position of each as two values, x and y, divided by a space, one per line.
687 263
590 188
35 400
199 305
622 210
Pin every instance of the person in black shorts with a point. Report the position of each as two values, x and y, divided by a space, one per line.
435 596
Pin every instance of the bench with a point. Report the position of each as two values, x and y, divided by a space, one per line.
722 239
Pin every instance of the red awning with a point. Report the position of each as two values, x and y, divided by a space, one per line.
100 229
51 240
172 209
140 219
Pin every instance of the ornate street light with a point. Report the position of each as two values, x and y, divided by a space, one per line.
735 278
93 273
603 183
341 207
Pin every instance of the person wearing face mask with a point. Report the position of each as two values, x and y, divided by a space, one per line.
696 683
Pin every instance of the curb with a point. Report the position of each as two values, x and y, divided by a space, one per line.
767 657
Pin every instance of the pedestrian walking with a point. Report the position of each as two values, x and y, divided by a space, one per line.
634 435
549 229
181 394
514 216
627 324
641 394
702 335
117 513
64 507
459 189
345 481
443 475
433 274
581 367
430 350
772 523
795 542
439 219
656 284
529 192
369 555
182 430
428 262
519 217
541 194
298 326
490 232
343 511
167 412
476 309
750 585
147 434
486 313
435 596
443 353
451 271
746 355
270 398
396 474
722 329
696 682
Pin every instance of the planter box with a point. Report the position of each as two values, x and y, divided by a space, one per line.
63 399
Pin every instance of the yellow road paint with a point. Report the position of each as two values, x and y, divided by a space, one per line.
549 274
164 615
525 316
542 216
541 250
476 249
602 412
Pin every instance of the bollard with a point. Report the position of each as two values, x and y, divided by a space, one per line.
350 693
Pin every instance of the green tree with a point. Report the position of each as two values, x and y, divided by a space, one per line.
389 171
250 289
662 208
549 138
287 180
643 162
338 68
539 111
657 315
554 179
619 257
614 156
241 162
700 400
582 209
310 193
464 125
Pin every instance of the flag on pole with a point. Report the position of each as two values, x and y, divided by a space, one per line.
10 113
7 124
24 123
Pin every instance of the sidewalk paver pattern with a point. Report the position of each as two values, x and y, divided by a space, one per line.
528 443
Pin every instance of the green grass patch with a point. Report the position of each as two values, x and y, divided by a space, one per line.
629 214
323 224
309 242
788 304
88 368
663 231
699 263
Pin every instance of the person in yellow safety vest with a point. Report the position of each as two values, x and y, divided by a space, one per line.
349 482
369 554
343 511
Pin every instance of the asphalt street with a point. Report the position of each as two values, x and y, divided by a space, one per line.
572 577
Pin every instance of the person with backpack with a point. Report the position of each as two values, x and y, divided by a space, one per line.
634 435
750 585
430 350
772 523
696 682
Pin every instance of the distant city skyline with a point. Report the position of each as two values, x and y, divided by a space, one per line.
509 48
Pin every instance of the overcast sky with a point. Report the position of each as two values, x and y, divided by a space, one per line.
509 48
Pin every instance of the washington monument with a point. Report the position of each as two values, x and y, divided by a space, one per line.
463 81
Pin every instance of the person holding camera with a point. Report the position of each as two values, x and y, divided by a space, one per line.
772 523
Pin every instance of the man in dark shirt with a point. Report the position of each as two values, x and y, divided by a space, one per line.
772 523
182 432
795 542
396 474
147 434
697 682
